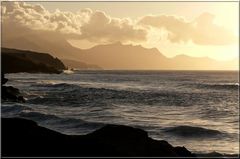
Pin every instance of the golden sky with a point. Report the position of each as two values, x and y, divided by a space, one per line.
199 29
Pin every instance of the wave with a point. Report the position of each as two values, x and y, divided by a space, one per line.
113 85
74 86
95 89
228 86
66 94
38 116
61 85
68 71
13 109
54 120
192 131
53 84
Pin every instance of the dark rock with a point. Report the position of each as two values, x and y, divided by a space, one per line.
124 132
10 93
213 155
3 79
21 137
14 61
182 151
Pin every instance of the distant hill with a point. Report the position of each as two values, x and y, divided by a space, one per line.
182 62
14 61
79 65
118 56
112 56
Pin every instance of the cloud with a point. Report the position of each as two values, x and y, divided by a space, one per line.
104 28
36 17
84 24
97 26
201 30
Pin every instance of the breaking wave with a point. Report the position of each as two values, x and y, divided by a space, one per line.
14 109
56 120
192 131
227 86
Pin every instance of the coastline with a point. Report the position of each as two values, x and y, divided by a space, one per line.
88 145
24 138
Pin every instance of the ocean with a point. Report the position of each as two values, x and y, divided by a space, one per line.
195 109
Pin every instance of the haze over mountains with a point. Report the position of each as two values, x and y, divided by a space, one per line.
111 56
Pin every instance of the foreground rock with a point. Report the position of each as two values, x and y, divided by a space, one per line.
213 155
21 137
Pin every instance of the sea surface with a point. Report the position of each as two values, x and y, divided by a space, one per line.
195 109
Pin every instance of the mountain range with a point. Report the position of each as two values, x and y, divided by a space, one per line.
111 56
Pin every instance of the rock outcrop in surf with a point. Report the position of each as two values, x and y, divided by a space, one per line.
10 93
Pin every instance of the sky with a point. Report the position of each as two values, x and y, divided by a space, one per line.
199 29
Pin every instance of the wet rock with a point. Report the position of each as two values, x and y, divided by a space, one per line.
3 79
10 93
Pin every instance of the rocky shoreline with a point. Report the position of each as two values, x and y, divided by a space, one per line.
16 61
24 138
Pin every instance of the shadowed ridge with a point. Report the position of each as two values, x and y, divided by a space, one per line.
14 61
